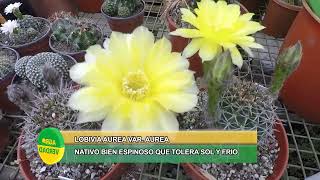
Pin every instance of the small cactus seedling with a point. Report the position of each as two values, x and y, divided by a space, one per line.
7 61
121 8
294 2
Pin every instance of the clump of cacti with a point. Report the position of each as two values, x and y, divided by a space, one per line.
7 61
76 34
121 8
24 30
43 69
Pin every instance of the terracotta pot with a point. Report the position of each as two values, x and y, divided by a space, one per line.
46 8
280 165
179 43
125 25
301 90
92 6
35 47
251 5
5 104
279 17
114 174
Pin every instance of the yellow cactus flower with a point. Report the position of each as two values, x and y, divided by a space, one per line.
218 26
133 84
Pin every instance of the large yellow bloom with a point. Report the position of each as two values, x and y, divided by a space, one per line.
133 84
218 26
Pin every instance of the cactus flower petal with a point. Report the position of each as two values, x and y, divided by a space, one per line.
236 57
186 33
192 48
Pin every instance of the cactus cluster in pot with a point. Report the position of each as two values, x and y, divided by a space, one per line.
50 109
73 35
122 8
23 30
35 68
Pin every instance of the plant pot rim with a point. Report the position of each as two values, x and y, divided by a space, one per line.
124 18
280 128
308 8
287 5
71 53
11 74
26 173
35 41
170 19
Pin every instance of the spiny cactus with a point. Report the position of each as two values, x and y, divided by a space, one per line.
247 106
287 62
20 66
50 109
121 8
84 36
7 60
75 33
36 64
217 72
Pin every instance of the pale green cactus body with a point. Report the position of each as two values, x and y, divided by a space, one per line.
247 106
217 72
287 62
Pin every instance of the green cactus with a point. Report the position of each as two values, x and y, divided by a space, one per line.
84 36
247 106
20 66
36 64
217 72
287 62
121 8
76 33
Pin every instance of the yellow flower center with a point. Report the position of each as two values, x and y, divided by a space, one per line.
135 85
